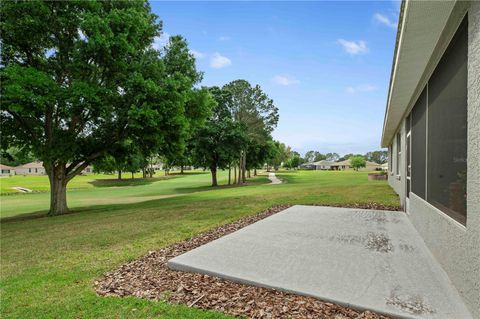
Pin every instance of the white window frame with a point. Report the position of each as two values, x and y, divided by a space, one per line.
398 141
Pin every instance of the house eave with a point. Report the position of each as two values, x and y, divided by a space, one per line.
421 24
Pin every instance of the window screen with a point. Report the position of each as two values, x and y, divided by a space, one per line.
419 142
390 158
399 153
447 129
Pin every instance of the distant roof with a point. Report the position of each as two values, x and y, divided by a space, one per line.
31 165
5 167
373 163
322 162
347 162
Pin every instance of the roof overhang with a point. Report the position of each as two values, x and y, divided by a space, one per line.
420 27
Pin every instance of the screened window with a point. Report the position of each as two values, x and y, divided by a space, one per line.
399 154
390 158
447 129
419 145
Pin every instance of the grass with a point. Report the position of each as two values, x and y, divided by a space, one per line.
48 265
40 183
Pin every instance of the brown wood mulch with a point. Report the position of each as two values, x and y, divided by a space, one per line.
150 278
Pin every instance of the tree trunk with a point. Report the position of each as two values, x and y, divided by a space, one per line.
144 171
234 173
132 175
229 174
214 176
239 181
119 175
58 190
181 169
254 172
244 167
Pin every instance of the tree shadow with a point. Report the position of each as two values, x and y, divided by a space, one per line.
127 181
150 203
186 173
255 180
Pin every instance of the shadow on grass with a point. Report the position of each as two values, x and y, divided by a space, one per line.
149 203
128 181
93 209
187 173
258 180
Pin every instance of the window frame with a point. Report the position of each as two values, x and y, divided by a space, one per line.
398 140
455 215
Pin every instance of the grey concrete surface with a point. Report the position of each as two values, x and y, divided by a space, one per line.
274 179
365 259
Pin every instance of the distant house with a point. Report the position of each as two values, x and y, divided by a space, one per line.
323 165
346 165
319 165
33 168
156 167
308 165
7 170
340 166
87 170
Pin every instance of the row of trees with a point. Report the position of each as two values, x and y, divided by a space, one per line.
82 84
315 156
379 157
237 134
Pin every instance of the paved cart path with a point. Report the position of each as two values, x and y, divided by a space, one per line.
274 179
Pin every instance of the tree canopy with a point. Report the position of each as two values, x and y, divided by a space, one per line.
357 162
379 157
251 107
218 142
80 77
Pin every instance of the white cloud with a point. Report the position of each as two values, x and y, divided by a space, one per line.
219 61
353 47
224 38
380 18
285 80
197 54
361 88
160 42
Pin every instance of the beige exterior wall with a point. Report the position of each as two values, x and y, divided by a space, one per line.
30 171
4 172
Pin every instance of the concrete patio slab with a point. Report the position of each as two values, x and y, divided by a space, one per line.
365 259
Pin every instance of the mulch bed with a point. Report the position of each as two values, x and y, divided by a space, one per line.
150 278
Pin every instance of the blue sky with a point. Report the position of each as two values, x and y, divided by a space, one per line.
326 65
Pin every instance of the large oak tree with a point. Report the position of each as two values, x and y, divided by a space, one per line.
80 77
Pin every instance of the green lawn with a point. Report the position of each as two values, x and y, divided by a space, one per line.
40 183
48 265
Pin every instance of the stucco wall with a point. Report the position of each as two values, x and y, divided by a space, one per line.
456 247
472 266
398 182
25 171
